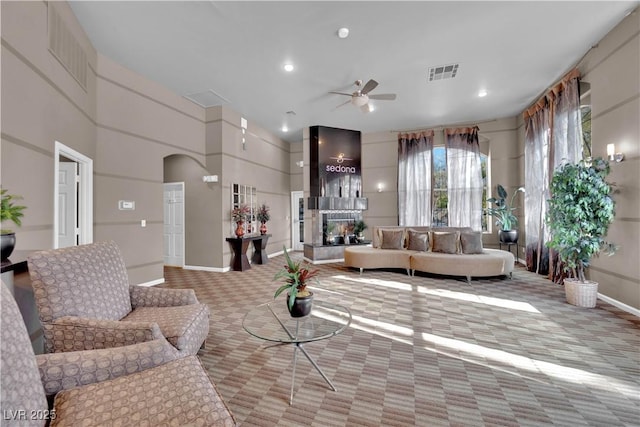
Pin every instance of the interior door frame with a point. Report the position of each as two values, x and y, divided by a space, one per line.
295 227
182 189
85 193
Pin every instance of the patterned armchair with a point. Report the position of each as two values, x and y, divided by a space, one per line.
85 302
149 383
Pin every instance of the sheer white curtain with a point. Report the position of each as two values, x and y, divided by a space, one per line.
536 178
553 136
464 181
567 124
414 178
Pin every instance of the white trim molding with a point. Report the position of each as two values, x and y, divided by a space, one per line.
202 268
152 283
620 305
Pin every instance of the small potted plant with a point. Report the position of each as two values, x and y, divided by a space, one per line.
503 212
263 216
239 216
358 229
296 276
580 212
9 211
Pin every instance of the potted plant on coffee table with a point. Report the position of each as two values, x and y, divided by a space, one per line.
580 212
296 276
503 212
9 211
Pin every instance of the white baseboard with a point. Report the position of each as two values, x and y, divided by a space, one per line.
152 283
202 268
620 305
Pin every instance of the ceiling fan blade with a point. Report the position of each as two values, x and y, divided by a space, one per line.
384 96
340 105
341 93
371 85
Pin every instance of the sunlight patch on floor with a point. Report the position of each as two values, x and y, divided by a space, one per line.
496 302
565 373
376 282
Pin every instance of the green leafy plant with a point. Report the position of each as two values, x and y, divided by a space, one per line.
263 213
10 211
359 227
240 213
295 276
580 212
502 210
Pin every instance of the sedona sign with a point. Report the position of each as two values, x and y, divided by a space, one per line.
335 162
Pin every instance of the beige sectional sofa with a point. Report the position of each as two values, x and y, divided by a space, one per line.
443 253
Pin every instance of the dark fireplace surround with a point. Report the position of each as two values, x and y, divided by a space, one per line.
335 200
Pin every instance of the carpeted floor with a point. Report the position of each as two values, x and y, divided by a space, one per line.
427 351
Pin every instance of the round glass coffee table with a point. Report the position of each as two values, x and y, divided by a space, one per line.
271 322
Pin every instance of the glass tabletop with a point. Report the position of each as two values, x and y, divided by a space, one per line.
271 321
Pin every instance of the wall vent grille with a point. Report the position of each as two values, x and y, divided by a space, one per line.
442 72
64 46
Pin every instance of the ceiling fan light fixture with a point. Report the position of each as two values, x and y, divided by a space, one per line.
359 101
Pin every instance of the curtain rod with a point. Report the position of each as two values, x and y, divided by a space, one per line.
442 127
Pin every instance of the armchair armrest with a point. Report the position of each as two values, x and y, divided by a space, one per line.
143 296
71 333
61 371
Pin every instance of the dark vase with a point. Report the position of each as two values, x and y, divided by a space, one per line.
8 243
301 306
508 236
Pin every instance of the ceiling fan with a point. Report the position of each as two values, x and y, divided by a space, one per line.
360 98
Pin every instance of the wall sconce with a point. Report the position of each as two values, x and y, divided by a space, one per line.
243 126
612 155
300 163
380 187
210 178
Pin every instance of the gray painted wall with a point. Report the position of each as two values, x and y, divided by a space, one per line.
129 125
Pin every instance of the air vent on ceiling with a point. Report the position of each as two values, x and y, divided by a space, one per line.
64 46
207 98
442 72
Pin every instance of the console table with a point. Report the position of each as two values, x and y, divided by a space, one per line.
239 246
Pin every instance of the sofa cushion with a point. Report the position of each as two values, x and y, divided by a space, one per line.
418 241
445 242
392 239
471 243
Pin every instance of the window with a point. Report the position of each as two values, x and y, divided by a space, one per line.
440 196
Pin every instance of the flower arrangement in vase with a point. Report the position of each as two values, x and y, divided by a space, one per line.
239 216
263 216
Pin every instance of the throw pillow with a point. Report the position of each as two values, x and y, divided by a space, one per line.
392 239
445 242
418 240
471 243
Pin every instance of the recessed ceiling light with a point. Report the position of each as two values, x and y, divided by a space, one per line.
482 93
343 32
285 128
288 67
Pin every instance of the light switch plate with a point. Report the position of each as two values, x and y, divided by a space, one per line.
126 205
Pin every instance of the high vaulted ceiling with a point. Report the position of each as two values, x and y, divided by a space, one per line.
237 50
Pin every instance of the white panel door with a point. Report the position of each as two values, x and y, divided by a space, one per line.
67 204
174 224
297 220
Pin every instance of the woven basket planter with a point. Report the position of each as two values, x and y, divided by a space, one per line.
581 294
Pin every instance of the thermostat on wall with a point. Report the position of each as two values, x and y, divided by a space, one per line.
126 205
